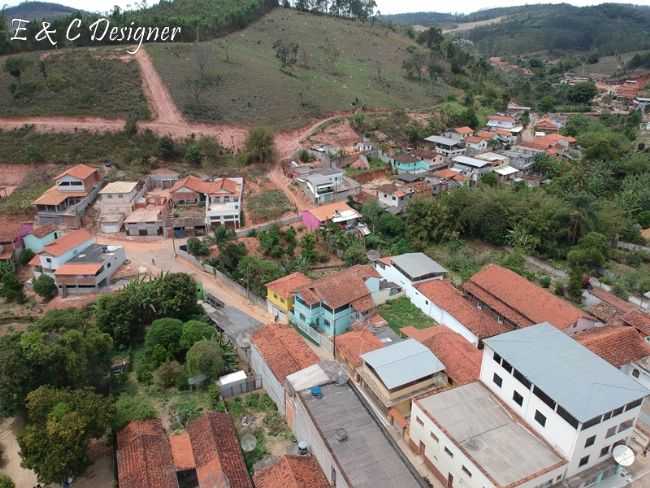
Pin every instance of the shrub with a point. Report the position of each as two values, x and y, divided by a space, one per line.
194 331
25 257
205 357
197 247
168 374
45 287
129 407
545 281
6 481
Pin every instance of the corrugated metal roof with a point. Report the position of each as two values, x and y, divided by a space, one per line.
467 161
577 379
403 363
418 264
446 141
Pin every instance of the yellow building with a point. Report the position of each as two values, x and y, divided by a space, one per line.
279 294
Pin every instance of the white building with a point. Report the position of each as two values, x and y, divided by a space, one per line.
447 146
89 270
501 122
322 186
472 167
59 252
223 202
579 403
118 197
409 270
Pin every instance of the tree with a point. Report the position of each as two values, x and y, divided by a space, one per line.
45 287
205 357
6 482
582 93
61 424
197 247
166 148
193 154
194 331
11 288
254 273
129 407
259 146
16 66
162 341
168 374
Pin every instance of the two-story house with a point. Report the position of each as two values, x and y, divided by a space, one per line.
116 200
279 295
409 270
447 146
89 270
501 122
327 307
65 203
394 198
323 185
60 251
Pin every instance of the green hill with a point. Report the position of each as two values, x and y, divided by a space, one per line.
38 10
604 29
337 65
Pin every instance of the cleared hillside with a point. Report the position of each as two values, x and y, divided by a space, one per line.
340 65
77 82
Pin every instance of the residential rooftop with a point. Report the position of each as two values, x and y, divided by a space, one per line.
366 457
495 439
403 363
292 472
119 187
473 162
340 288
286 285
68 242
352 345
618 345
594 386
444 141
418 266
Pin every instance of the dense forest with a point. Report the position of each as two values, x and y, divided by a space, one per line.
620 28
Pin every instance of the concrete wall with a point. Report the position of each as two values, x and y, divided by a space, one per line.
269 382
37 244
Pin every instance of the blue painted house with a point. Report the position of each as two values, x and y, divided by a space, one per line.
39 237
327 307
409 164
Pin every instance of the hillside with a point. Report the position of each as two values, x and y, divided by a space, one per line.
605 29
38 10
339 65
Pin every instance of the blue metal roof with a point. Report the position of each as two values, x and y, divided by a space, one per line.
580 381
403 363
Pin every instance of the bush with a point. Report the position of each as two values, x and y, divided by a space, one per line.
194 331
205 357
45 287
545 282
197 247
162 341
129 407
6 481
168 374
186 410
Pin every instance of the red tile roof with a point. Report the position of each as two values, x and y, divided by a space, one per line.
292 472
221 185
621 306
449 174
9 230
462 360
519 300
474 140
352 345
618 345
67 242
81 171
501 118
216 450
340 288
78 269
182 453
144 458
283 349
444 295
286 285
638 320
464 130
54 197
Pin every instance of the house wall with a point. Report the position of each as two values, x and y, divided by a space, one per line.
309 221
570 442
328 323
441 316
117 202
37 244
149 228
639 373
78 285
430 441
306 431
269 382
392 274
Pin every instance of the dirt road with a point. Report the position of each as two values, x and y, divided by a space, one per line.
158 256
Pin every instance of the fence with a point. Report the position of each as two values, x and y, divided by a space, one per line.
250 384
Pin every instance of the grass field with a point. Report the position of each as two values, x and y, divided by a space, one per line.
402 313
339 65
78 82
268 205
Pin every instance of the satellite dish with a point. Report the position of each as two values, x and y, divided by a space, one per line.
248 443
623 455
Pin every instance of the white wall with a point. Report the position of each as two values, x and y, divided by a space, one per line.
269 382
434 451
58 261
643 375
557 432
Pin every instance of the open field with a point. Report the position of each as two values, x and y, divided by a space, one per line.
79 82
401 313
340 65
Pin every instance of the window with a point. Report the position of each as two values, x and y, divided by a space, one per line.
449 453
591 423
607 416
618 411
497 358
610 432
326 322
519 400
632 405
333 476
433 436
540 418
544 397
604 451
467 471
570 419
419 420
507 366
302 317
497 380
636 373
522 379
583 461
590 441
626 425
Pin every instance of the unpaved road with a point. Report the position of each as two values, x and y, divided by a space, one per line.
467 26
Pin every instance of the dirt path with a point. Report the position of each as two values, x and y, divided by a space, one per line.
467 26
